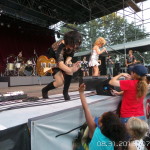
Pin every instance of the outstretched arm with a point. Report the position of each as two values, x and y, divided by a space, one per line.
115 80
88 115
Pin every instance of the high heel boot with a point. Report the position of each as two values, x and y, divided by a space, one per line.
45 90
67 81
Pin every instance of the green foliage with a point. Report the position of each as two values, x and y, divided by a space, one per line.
113 28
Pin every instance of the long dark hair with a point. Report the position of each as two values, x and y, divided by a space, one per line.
73 38
112 127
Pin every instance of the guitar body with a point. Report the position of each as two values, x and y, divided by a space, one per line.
134 63
45 65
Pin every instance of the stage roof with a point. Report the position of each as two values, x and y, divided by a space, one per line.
139 45
47 12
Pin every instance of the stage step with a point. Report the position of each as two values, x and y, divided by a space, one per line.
3 84
26 80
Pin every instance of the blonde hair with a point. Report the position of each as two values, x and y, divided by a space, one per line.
142 86
100 40
137 128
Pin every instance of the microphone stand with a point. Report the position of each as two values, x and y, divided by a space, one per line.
114 50
34 63
35 54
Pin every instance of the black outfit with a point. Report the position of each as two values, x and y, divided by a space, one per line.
130 60
59 53
84 66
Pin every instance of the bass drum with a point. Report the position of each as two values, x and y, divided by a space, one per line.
26 71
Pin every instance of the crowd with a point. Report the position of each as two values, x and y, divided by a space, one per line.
126 130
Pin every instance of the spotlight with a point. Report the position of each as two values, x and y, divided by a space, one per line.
8 25
40 7
2 24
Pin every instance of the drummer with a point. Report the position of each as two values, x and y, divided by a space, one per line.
20 59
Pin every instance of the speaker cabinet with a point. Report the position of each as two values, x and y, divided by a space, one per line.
100 84
91 82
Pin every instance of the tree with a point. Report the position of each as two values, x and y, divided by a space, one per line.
112 27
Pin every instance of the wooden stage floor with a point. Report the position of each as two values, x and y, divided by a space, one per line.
35 90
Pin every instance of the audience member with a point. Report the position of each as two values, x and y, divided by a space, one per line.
137 129
133 91
107 131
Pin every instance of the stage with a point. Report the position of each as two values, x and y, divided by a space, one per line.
55 115
24 80
36 123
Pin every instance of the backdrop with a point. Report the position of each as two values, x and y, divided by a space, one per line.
28 39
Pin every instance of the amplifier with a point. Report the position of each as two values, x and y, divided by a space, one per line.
91 82
99 84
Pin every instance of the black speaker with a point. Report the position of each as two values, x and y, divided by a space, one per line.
100 84
104 88
91 82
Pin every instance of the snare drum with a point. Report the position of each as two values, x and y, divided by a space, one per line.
10 66
18 65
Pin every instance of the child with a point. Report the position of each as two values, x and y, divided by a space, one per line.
137 129
107 132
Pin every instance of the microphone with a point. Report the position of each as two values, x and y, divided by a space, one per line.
106 50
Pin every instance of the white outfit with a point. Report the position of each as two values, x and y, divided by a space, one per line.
139 144
94 59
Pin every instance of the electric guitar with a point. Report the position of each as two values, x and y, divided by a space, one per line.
133 63
45 65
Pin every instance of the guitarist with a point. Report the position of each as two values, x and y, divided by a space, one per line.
130 60
63 51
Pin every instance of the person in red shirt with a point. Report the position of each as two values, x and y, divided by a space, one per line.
133 91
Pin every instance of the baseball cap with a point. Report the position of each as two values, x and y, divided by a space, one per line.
139 70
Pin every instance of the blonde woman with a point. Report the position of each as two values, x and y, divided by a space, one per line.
100 42
133 92
137 129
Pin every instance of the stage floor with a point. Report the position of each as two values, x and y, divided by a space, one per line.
35 90
14 113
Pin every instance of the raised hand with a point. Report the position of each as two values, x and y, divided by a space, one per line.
126 75
82 88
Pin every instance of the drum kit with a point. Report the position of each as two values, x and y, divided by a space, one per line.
16 66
